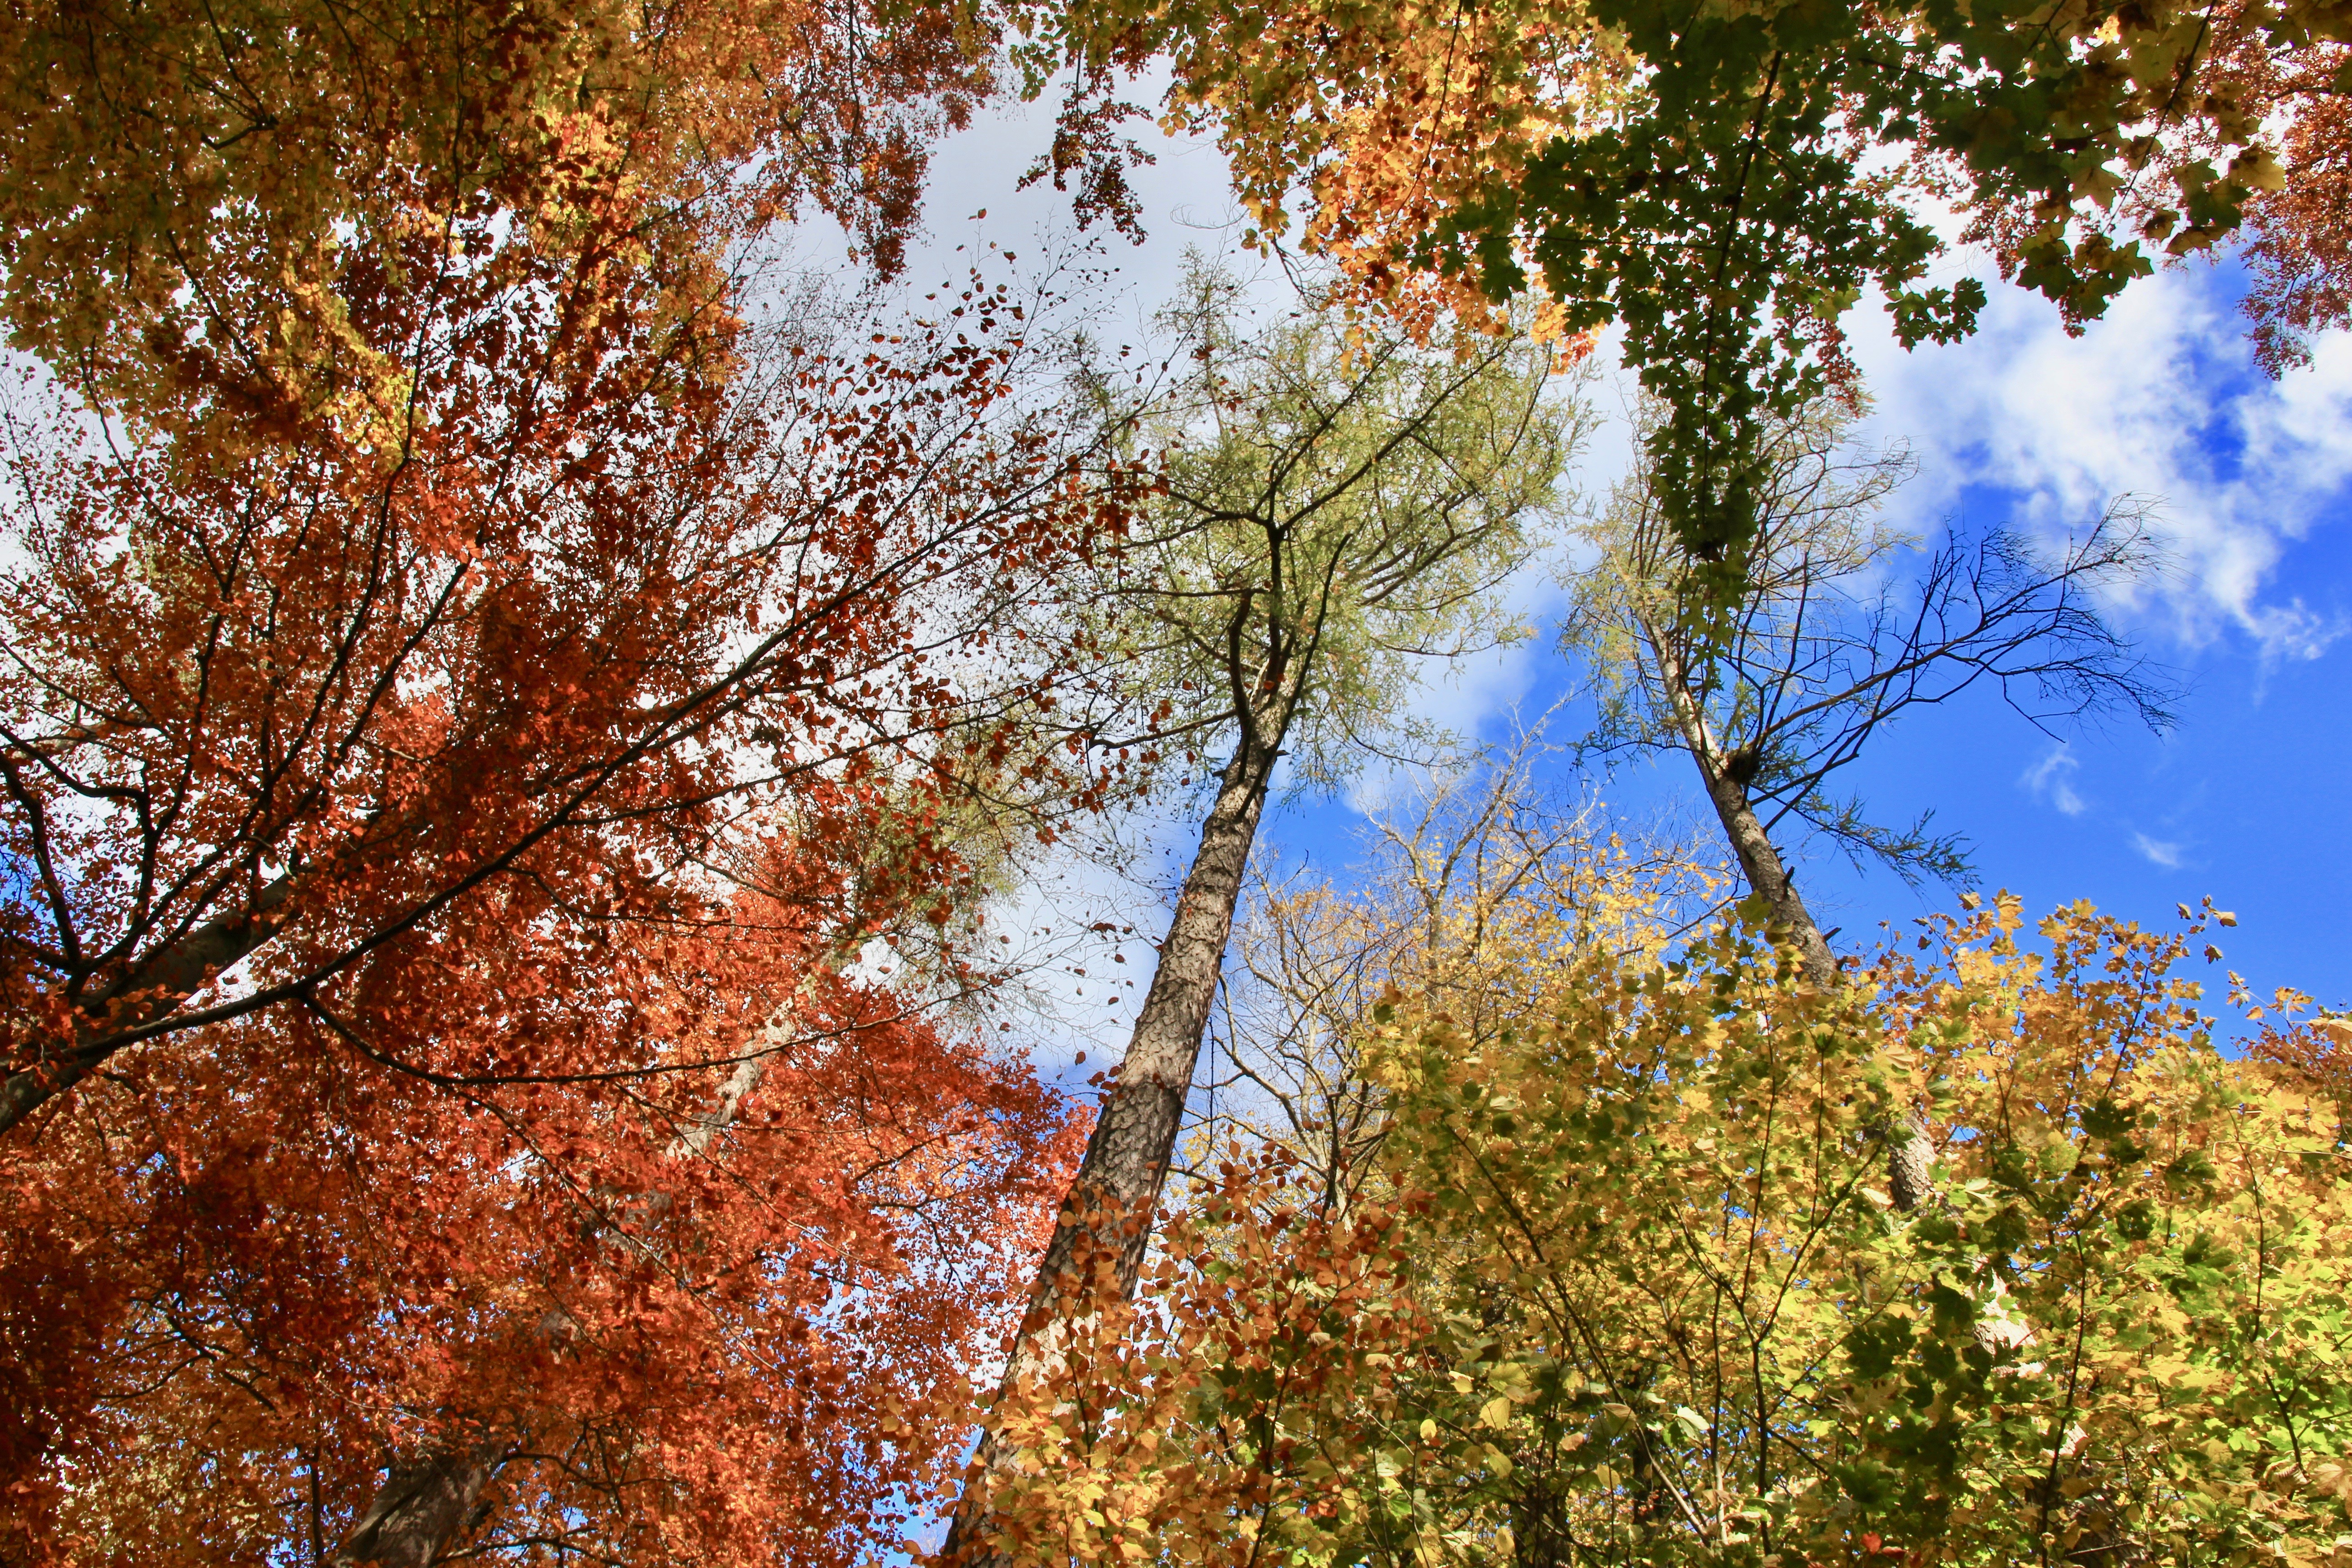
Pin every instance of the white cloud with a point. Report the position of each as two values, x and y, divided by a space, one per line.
2158 851
2159 401
2053 777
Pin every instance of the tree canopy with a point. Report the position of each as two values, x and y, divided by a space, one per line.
1624 1282
504 760
205 208
433 1070
1725 183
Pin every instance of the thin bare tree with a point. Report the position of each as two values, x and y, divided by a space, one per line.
1831 642
1461 874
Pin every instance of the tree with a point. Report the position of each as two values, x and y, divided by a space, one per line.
1334 504
1723 186
308 706
1828 646
717 1310
324 777
1773 696
1628 1292
452 596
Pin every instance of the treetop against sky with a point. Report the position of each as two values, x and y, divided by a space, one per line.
2022 424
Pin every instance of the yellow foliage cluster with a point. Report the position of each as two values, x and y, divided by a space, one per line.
1633 1287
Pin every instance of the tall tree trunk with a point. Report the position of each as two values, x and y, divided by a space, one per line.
1910 1152
1766 875
1107 1217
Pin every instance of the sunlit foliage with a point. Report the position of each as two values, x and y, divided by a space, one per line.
1627 1286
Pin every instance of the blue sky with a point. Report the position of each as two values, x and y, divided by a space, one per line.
2244 799
2251 484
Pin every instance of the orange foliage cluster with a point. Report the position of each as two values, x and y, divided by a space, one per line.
303 702
242 1278
412 830
196 199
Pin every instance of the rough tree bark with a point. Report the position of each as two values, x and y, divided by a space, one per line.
1107 1215
424 1504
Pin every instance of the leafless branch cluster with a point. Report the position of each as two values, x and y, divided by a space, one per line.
1844 625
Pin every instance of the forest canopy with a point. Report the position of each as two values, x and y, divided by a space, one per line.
528 728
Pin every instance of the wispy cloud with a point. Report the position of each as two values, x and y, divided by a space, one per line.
2158 851
2053 777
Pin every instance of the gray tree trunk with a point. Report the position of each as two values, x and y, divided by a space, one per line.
1105 1226
1768 875
1910 1152
426 1503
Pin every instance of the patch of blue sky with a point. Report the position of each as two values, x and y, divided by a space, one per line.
2244 798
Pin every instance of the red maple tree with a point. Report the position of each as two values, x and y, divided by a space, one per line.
416 849
713 1313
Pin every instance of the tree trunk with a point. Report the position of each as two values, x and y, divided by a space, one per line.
427 1502
1909 1160
1765 873
1910 1152
424 1504
1106 1220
